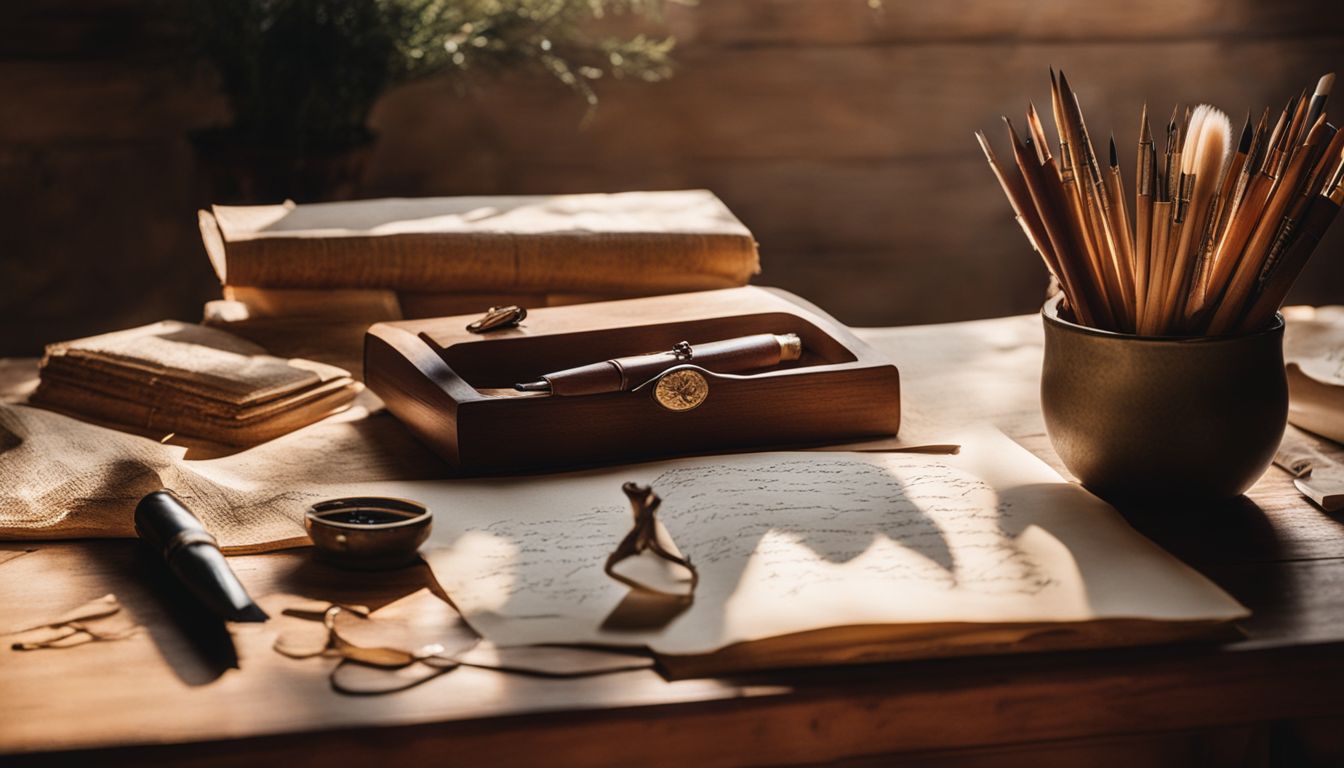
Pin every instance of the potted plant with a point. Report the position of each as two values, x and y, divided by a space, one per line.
301 76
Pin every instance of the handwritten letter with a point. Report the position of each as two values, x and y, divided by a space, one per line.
791 542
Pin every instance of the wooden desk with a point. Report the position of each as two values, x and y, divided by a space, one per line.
1276 697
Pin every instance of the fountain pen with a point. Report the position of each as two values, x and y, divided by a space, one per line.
170 529
744 353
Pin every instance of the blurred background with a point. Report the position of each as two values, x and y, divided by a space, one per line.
840 133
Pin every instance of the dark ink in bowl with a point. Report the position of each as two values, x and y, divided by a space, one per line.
364 516
368 533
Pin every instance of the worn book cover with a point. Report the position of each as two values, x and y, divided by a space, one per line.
630 243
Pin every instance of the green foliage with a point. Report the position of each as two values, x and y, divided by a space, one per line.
303 74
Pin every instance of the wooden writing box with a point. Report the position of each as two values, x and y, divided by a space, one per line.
451 387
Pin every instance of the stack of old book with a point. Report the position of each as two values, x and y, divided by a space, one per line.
186 379
316 275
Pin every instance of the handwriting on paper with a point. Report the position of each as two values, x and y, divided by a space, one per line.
800 524
899 520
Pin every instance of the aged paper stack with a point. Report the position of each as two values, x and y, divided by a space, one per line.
807 558
172 377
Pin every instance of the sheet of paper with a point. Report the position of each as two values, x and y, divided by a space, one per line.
790 542
1314 350
1316 475
1324 486
64 478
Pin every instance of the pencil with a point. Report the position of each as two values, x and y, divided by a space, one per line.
1060 239
1297 208
1322 212
1144 186
1159 262
1015 189
1094 204
1229 255
1290 135
1038 134
1161 234
1115 192
1298 123
1220 230
1073 180
1234 302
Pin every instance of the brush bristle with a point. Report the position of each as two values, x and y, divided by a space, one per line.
1193 136
1214 140
1324 85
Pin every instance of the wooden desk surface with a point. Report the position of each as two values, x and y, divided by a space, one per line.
1281 688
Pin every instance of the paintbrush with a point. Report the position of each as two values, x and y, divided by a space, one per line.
1203 161
1228 255
1319 98
1218 210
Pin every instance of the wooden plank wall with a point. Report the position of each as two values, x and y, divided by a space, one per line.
840 135
97 189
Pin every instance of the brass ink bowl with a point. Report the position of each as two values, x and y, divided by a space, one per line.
1163 419
368 533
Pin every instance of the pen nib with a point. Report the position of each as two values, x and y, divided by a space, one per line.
533 386
250 612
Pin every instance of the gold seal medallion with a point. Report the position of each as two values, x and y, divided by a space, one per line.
681 390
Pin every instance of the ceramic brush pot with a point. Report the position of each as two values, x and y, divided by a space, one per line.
1163 418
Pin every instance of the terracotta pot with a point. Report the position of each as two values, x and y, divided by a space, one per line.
1162 419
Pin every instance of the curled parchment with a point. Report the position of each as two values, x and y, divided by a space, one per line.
416 639
657 565
95 621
